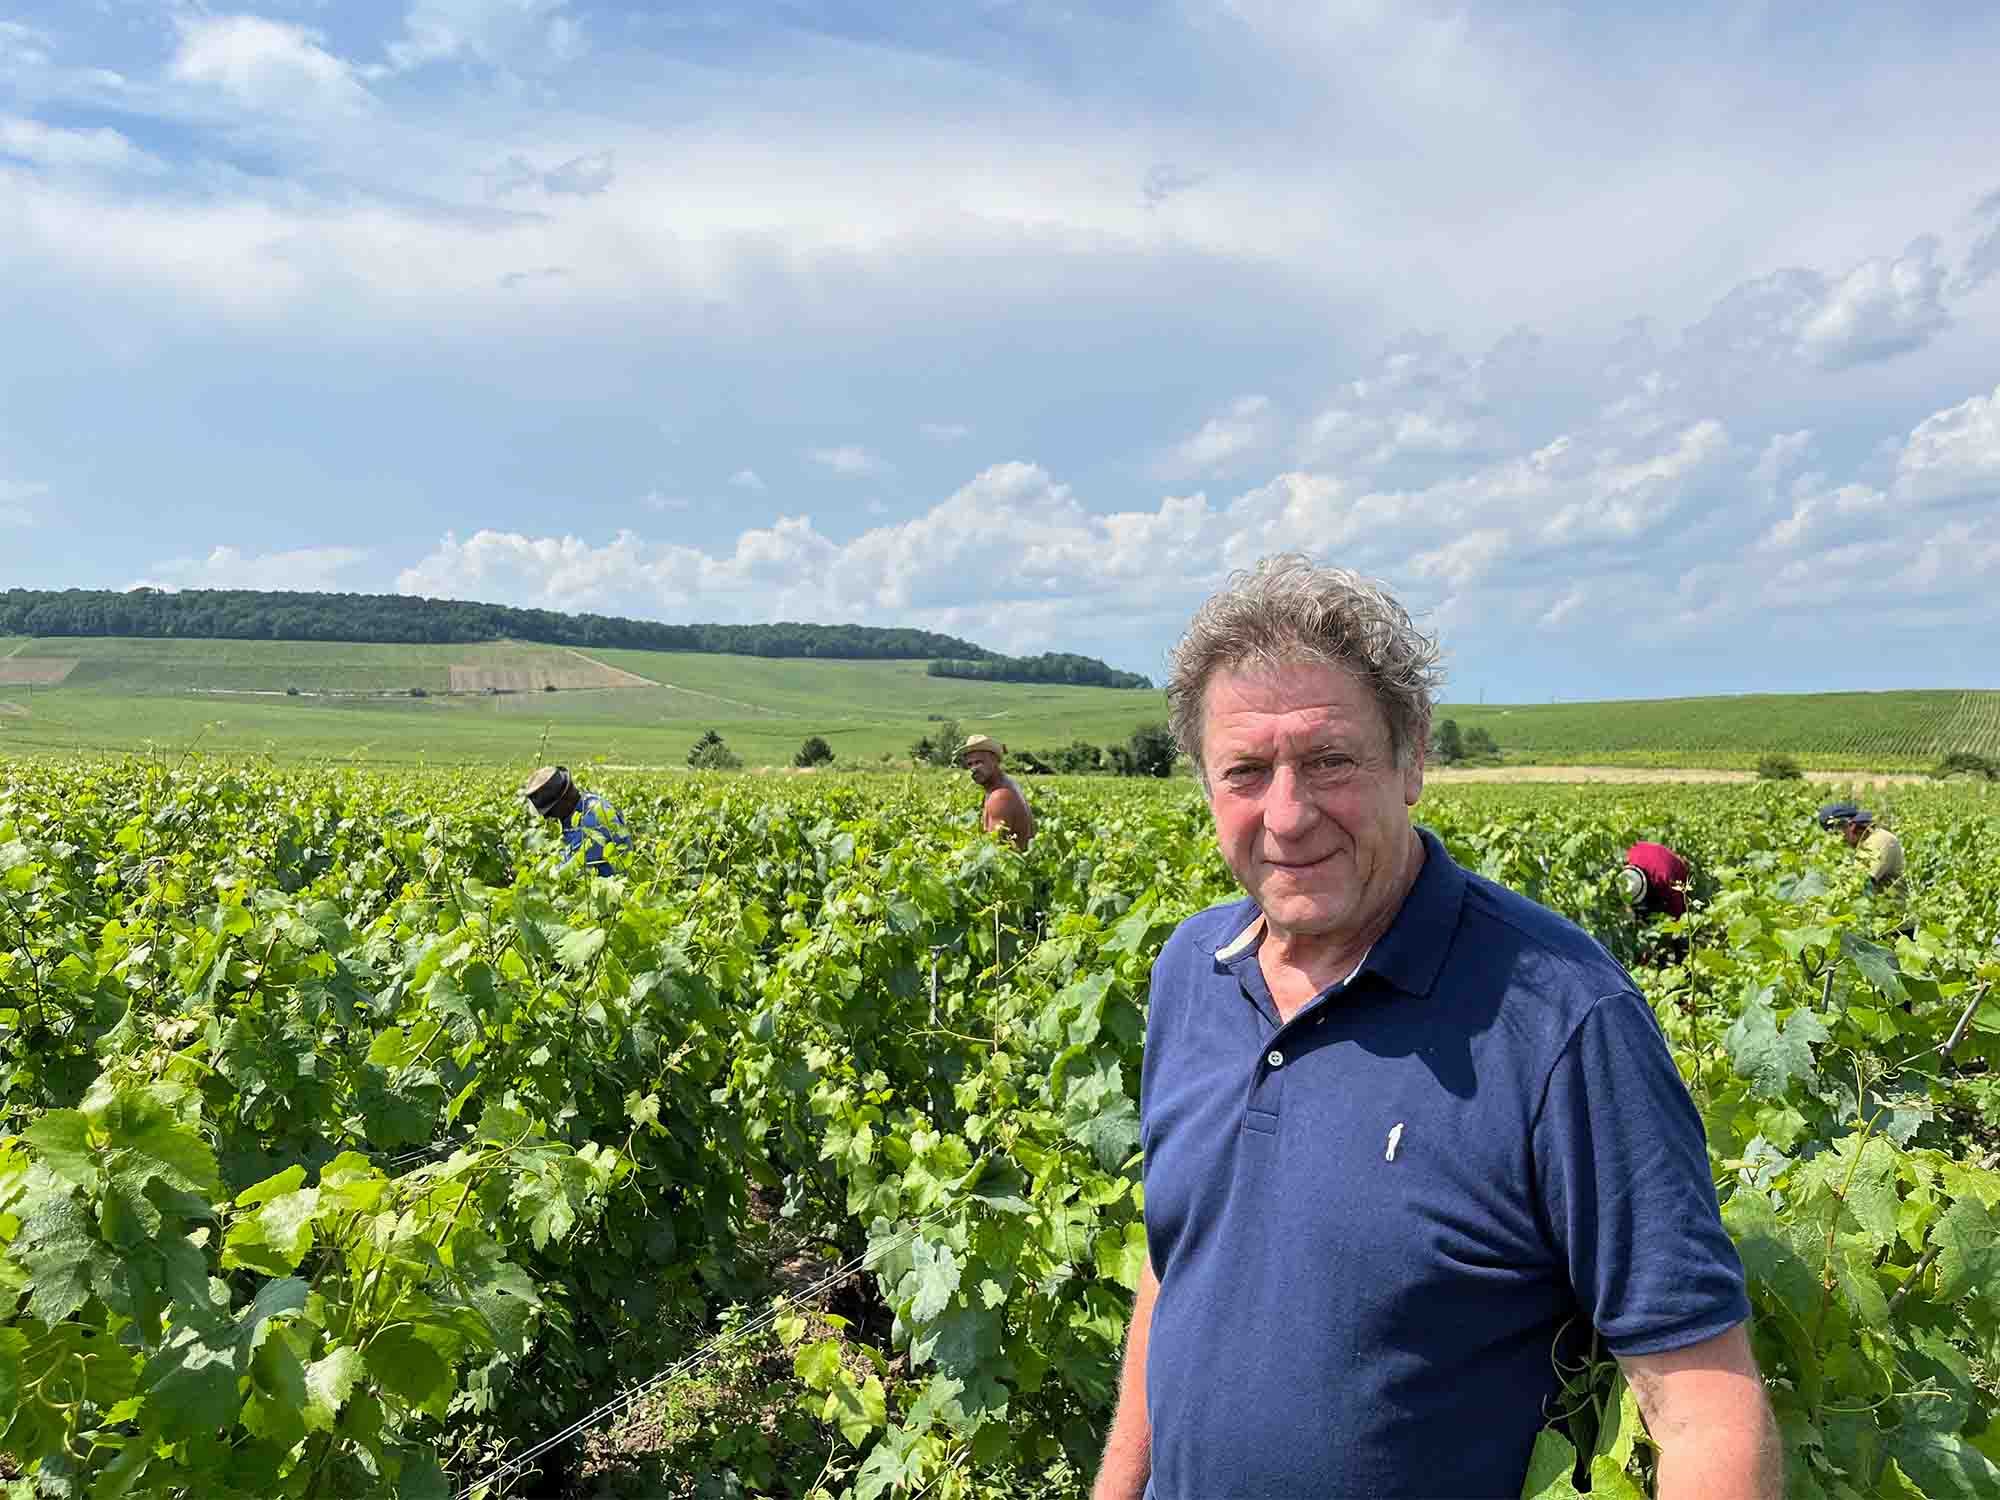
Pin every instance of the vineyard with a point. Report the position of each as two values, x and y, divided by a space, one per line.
1889 731
353 1146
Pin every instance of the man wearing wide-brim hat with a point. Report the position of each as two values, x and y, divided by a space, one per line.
1005 808
590 825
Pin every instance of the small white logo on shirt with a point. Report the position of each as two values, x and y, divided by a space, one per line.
1395 1140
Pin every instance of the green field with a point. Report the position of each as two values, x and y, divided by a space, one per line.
1834 731
308 700
353 703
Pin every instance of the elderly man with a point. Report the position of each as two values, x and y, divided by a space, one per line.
1004 808
1408 1135
590 825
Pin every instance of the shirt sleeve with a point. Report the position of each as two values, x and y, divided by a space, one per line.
1625 1180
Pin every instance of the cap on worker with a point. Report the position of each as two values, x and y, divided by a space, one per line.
1837 812
546 789
982 742
1864 817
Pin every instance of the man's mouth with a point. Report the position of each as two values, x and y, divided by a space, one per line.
1298 864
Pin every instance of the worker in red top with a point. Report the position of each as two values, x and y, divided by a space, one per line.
1655 881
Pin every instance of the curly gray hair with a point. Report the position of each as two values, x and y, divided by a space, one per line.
1288 610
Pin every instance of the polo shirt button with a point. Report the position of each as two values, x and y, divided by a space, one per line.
1275 1058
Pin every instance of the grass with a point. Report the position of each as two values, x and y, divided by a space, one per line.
131 694
135 694
1895 731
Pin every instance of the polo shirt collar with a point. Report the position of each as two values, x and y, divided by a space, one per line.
1410 954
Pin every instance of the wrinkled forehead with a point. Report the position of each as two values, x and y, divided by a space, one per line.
1262 692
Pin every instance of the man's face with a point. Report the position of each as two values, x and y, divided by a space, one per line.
1311 811
1853 832
984 766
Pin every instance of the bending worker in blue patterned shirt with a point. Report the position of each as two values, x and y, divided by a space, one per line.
590 825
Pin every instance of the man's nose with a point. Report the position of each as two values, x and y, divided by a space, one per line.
1288 806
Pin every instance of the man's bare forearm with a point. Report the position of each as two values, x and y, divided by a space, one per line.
1707 1413
1745 1463
1128 1450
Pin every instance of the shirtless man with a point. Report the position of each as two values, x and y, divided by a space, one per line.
1005 807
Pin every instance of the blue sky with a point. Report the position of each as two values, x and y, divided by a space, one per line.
1644 354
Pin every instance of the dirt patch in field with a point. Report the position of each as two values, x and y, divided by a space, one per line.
12 709
1640 775
585 673
34 671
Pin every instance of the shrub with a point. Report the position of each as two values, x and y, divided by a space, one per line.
941 747
1480 743
711 754
548 687
291 692
1152 751
1778 768
814 752
1967 763
1077 758
1447 743
417 692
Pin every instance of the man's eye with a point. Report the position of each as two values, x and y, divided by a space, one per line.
1242 775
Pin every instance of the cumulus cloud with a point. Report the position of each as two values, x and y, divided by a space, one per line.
314 570
1879 309
746 479
1245 428
847 459
265 64
1954 455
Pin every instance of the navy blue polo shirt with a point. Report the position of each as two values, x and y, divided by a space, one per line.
1373 1225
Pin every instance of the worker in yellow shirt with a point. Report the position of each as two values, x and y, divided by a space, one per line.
1880 850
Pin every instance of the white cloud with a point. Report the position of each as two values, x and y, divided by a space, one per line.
1461 561
847 459
746 479
523 35
1246 427
265 64
302 569
22 46
945 432
660 501
1954 454
96 149
1879 309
